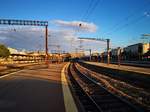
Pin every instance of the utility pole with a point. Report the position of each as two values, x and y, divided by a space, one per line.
46 44
90 54
108 54
119 56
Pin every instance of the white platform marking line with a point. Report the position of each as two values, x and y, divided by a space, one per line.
70 105
10 74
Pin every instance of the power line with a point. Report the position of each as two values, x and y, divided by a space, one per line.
92 6
92 9
87 11
127 24
126 19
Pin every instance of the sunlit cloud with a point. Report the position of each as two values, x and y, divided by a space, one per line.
34 38
77 25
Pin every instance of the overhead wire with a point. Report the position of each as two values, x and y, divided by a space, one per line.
127 24
88 8
126 19
91 7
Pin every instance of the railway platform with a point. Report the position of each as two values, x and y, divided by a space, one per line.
37 89
122 67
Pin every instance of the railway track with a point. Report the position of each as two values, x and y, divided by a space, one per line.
94 97
136 79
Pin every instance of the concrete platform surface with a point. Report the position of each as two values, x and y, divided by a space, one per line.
33 90
122 67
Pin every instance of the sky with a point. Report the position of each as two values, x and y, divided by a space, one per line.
122 21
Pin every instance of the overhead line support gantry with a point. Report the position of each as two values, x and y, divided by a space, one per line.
99 39
30 23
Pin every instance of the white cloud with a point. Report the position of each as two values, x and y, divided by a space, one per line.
30 38
77 25
33 38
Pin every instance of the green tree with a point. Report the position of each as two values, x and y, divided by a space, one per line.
4 52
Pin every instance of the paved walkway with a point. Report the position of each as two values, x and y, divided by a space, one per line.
4 66
123 67
36 89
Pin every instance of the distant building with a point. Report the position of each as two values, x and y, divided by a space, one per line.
115 53
139 48
12 50
95 54
104 54
15 51
77 55
146 47
135 51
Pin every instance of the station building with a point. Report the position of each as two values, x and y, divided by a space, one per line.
136 51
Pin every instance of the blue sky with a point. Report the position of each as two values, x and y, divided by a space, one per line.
123 21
